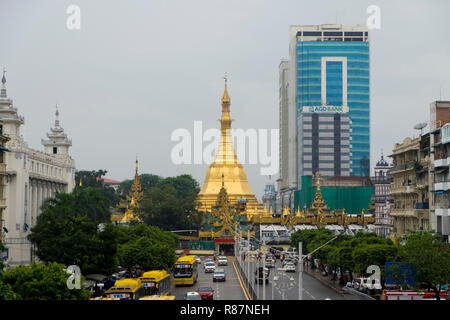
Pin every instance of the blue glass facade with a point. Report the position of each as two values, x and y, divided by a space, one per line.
309 89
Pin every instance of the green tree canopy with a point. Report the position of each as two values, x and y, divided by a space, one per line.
146 180
67 232
41 282
431 256
172 204
92 179
146 247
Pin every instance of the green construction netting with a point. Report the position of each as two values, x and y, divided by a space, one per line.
352 199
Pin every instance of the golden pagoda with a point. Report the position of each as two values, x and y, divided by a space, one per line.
125 211
226 164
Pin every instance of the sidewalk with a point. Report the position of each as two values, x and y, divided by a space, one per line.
317 274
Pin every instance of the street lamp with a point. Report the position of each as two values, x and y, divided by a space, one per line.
300 271
264 269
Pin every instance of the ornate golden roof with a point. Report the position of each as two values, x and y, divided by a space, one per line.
226 164
132 202
318 203
136 194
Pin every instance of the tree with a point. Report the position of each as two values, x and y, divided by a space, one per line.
366 255
92 179
146 180
308 236
146 247
428 252
6 292
172 204
67 232
42 282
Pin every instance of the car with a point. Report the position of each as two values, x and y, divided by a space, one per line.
276 251
289 267
286 261
192 296
219 275
209 267
199 261
270 263
222 261
206 292
209 260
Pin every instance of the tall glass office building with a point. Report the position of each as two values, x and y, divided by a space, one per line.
329 65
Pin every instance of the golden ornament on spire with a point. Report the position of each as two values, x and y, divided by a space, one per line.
226 97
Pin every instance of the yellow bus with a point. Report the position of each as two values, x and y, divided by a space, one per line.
156 297
156 282
125 289
185 271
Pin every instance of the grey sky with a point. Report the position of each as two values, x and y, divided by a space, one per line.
137 70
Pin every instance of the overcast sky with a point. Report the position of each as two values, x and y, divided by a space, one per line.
138 70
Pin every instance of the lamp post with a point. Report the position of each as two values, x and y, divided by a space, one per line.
300 271
264 269
248 261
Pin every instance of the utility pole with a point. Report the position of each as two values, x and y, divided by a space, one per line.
300 271
264 269
257 270
248 260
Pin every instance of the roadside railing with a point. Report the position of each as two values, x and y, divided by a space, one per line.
246 281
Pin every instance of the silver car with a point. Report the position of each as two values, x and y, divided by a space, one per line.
222 261
209 267
219 275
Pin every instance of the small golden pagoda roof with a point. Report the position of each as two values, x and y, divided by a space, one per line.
318 202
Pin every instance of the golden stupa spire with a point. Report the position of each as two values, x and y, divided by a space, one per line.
226 168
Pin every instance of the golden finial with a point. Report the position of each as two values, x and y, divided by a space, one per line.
226 97
81 183
318 179
136 164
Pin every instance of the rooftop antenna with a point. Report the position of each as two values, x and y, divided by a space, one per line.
420 126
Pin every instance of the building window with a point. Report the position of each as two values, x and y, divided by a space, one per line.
55 150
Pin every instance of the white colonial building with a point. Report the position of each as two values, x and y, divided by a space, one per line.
31 177
382 182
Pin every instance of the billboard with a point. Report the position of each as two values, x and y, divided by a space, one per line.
399 273
325 109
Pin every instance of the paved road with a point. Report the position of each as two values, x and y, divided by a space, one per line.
286 288
228 290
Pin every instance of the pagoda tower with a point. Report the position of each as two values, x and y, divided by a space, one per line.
125 210
57 143
227 165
